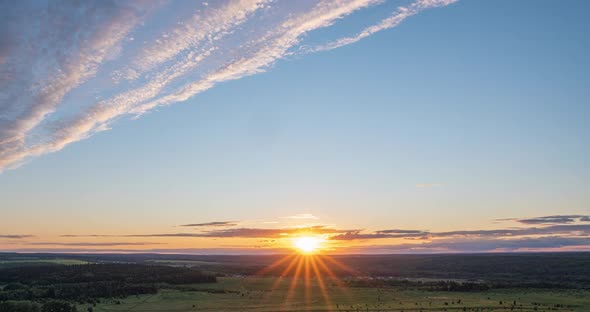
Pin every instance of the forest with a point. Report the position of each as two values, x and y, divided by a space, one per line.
52 287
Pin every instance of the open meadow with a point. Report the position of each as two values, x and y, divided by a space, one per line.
152 282
287 294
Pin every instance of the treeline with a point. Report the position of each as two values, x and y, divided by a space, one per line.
542 270
79 292
447 285
92 273
87 283
441 285
463 286
27 306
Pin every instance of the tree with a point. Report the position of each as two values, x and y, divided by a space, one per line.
58 306
19 306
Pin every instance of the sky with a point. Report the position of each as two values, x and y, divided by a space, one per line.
235 126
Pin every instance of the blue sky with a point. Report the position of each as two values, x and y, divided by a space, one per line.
460 115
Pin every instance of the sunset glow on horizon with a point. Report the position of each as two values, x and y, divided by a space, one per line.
308 244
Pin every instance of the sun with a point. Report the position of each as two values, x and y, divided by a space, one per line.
307 244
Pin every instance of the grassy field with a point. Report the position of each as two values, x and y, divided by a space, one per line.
269 294
34 261
189 263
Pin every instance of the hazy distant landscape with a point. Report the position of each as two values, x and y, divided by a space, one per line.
153 282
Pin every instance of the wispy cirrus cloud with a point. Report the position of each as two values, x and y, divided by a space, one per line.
62 49
76 68
396 18
201 28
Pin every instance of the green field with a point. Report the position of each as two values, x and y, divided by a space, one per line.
270 294
35 261
189 263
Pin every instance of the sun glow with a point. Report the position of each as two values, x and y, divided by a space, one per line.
307 244
307 267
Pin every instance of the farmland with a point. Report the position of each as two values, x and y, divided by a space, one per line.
266 294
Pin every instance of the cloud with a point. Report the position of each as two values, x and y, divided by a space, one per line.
336 234
203 26
569 229
541 244
262 52
486 245
15 236
556 219
212 224
505 219
303 216
578 229
251 232
396 231
89 70
553 244
394 20
551 237
227 250
89 235
237 233
66 46
86 244
358 235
